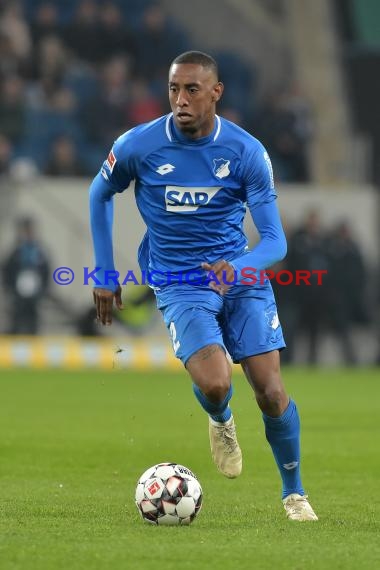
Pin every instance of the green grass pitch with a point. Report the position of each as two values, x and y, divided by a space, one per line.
72 446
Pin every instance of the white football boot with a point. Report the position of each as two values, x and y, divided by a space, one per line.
298 508
225 449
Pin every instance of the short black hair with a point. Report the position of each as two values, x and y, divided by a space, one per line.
198 58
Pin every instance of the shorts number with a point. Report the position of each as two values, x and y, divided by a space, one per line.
173 334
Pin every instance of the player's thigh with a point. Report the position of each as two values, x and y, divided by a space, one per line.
191 317
250 322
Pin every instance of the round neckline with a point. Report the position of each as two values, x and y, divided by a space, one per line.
178 136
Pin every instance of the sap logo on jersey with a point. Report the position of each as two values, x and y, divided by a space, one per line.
185 199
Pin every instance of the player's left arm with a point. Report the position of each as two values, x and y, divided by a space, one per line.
271 248
261 201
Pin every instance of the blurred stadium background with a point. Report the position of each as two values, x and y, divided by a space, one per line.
302 76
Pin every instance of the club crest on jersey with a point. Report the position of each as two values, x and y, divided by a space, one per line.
221 167
272 319
185 199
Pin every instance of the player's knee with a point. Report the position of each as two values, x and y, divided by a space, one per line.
217 391
271 398
215 386
212 378
273 395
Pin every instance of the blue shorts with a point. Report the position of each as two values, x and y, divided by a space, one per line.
244 321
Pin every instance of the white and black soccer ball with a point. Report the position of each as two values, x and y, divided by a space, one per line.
168 494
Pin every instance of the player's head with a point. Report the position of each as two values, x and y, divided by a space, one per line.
194 89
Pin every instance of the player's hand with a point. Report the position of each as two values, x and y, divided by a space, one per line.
224 273
104 299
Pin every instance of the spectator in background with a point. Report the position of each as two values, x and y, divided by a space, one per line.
241 76
6 150
51 112
63 160
14 26
83 33
116 38
12 108
51 61
143 106
25 275
45 22
40 94
336 305
284 125
51 58
159 40
346 283
307 251
10 63
109 104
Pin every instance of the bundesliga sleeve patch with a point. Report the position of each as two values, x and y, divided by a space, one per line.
108 166
111 161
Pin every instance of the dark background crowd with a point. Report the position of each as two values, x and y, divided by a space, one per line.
76 74
337 303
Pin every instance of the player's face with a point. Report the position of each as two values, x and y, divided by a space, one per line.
193 93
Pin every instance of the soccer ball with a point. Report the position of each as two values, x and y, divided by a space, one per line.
168 494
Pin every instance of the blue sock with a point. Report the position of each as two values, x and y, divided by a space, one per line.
283 435
218 412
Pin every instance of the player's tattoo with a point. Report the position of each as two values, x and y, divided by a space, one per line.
206 352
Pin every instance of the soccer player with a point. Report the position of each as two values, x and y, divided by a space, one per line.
194 174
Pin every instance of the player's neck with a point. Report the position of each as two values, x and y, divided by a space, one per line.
200 134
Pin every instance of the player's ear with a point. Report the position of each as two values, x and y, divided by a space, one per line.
217 91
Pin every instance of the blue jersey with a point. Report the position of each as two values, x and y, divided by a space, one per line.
192 196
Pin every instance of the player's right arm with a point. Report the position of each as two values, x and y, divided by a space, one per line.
101 221
113 177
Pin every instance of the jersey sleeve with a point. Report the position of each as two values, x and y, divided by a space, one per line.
118 168
115 176
272 246
258 176
261 201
